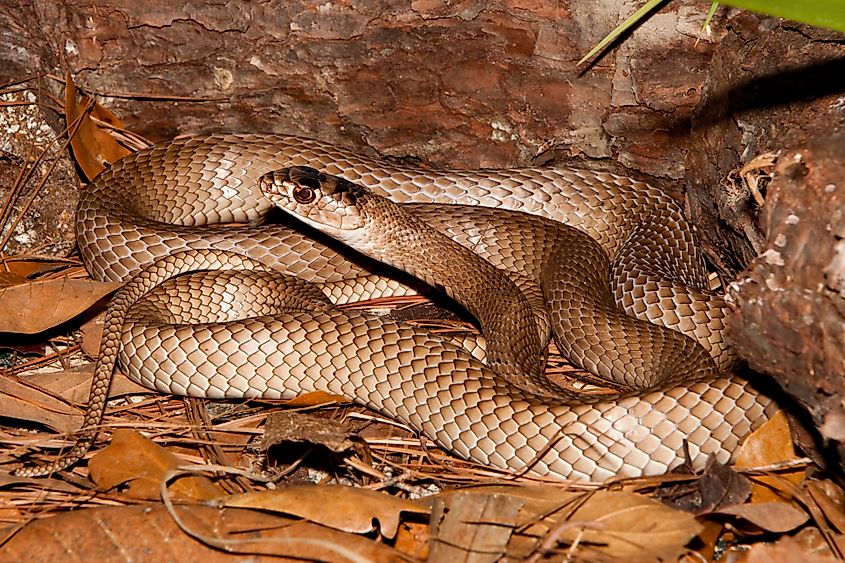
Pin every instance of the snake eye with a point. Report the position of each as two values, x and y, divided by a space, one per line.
303 195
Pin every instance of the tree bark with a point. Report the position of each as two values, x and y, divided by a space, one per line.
779 90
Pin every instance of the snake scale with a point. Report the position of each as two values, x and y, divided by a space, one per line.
629 302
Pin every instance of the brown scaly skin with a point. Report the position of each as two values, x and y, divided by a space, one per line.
169 198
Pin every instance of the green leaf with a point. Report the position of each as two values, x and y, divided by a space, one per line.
822 13
709 17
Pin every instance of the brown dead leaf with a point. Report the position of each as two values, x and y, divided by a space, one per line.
831 510
413 539
814 541
316 399
633 526
93 147
348 509
25 269
300 427
92 334
148 533
769 516
57 399
74 385
708 539
468 526
37 306
785 550
721 486
770 444
41 484
8 279
25 401
138 462
605 524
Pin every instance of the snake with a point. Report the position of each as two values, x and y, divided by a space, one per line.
609 262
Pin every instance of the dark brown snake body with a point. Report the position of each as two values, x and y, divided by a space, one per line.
632 250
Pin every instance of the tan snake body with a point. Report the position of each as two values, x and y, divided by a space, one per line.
168 200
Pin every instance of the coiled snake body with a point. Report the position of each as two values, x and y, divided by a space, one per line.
166 205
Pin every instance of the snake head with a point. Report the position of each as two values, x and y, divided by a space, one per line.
331 204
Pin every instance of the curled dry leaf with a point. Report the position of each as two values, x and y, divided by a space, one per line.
300 427
137 461
344 508
8 279
37 306
92 146
19 268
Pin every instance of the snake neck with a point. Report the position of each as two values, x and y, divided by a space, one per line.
504 315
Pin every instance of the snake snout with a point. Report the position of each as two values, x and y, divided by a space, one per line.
293 189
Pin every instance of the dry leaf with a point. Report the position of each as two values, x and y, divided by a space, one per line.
299 427
93 147
25 269
412 539
348 509
468 526
37 306
633 526
604 523
74 385
316 399
812 540
8 279
148 533
708 539
770 444
25 401
57 399
831 510
92 334
769 516
137 461
41 484
785 550
721 486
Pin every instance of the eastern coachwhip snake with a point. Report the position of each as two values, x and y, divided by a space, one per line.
166 205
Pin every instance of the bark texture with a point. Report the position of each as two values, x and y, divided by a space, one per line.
772 85
464 84
790 319
779 88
